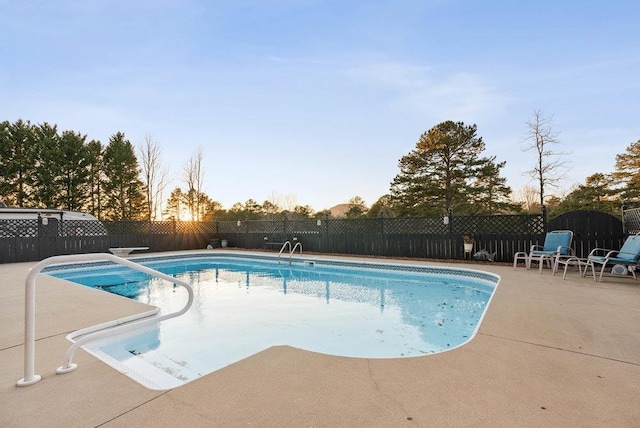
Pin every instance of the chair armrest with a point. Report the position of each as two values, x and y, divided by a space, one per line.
601 251
569 251
617 253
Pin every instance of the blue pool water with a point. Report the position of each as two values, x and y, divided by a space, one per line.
243 305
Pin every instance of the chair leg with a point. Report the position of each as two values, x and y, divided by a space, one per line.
632 269
540 263
586 268
580 268
516 257
604 265
591 265
520 256
565 270
569 261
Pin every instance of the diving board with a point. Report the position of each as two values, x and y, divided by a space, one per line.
125 251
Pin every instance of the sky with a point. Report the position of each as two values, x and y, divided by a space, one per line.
316 101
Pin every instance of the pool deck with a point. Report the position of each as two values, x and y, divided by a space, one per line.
549 353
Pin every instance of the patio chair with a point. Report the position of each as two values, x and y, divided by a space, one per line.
628 256
557 245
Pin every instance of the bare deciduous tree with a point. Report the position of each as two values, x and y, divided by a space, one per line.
154 176
289 202
275 200
194 177
527 197
550 165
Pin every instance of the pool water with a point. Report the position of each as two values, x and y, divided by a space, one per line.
245 305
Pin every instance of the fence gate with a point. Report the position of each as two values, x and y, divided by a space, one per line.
591 229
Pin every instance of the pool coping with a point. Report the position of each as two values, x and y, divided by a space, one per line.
548 352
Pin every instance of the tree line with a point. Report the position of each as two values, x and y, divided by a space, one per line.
445 172
42 167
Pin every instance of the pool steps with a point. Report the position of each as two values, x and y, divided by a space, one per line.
90 333
175 373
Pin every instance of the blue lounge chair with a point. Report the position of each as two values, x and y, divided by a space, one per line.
627 256
557 245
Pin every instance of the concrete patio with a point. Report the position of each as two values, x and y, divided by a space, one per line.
550 352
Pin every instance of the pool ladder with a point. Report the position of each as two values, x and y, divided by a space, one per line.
90 333
291 249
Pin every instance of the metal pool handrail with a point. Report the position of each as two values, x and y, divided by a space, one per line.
96 332
285 245
291 250
298 245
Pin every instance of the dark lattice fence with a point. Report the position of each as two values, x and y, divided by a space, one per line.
18 228
30 240
631 218
511 224
161 235
426 237
412 225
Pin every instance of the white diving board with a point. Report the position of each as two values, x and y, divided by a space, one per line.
125 251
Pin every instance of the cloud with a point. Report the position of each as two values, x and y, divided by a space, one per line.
426 91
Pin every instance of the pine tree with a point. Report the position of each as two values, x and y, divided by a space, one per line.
47 158
17 159
596 194
74 172
94 152
491 193
446 172
123 189
627 173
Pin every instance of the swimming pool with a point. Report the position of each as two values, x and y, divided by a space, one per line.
246 303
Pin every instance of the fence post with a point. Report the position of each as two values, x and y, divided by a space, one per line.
448 247
40 237
326 233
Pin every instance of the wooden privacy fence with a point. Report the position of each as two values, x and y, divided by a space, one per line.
423 237
429 237
25 240
591 229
